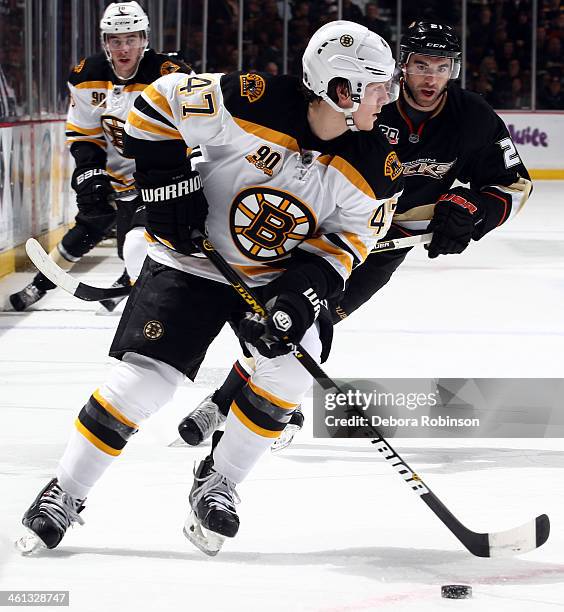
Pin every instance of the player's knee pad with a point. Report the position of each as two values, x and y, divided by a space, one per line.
285 377
100 220
130 214
134 251
78 241
260 411
139 386
104 426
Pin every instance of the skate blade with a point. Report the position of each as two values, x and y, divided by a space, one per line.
104 312
29 544
113 311
208 542
178 442
5 304
285 438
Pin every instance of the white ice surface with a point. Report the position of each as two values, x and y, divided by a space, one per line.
325 526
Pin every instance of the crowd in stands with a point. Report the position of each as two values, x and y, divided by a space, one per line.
499 53
498 41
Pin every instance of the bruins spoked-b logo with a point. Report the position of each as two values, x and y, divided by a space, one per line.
252 86
169 67
392 166
113 128
266 223
346 40
153 330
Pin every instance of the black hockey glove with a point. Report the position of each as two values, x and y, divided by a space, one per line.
92 188
175 204
291 314
452 223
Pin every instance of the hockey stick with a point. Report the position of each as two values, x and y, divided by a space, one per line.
518 540
66 281
89 293
401 243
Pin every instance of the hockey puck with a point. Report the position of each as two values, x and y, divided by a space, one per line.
456 591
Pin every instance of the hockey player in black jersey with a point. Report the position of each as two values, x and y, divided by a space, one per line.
103 88
441 134
294 191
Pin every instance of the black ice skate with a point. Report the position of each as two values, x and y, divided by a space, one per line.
109 305
295 424
49 517
201 422
22 300
213 517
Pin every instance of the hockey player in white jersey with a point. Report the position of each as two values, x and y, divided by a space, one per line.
295 194
102 89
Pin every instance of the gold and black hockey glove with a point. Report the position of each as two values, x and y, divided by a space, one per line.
289 317
93 188
175 205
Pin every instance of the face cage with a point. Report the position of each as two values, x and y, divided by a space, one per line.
456 62
108 55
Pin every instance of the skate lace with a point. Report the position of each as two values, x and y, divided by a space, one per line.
61 508
219 491
207 416
32 292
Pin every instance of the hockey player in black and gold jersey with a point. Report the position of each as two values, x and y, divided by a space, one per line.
103 88
297 192
441 134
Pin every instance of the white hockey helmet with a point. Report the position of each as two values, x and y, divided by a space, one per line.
124 18
348 50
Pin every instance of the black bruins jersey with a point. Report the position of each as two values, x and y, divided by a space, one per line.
98 109
462 139
273 187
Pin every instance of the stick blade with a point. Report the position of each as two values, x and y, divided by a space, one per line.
520 540
47 266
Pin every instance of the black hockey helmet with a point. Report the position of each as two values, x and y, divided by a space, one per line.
431 38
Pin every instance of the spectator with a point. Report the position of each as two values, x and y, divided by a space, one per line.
503 92
553 57
373 22
482 34
552 96
520 99
352 12
271 68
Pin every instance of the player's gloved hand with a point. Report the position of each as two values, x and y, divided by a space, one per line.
176 206
290 315
452 223
92 188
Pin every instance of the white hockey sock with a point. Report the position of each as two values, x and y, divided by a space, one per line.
81 466
134 251
238 450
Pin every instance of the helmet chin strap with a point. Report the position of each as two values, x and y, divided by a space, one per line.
349 120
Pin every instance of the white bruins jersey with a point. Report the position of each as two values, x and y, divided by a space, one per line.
271 184
99 104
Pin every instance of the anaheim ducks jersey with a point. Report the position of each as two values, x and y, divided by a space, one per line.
462 139
271 184
99 104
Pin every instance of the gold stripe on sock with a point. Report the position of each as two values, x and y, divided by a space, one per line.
265 433
96 441
113 411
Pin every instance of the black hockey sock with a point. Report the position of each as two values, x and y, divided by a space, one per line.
42 282
235 381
